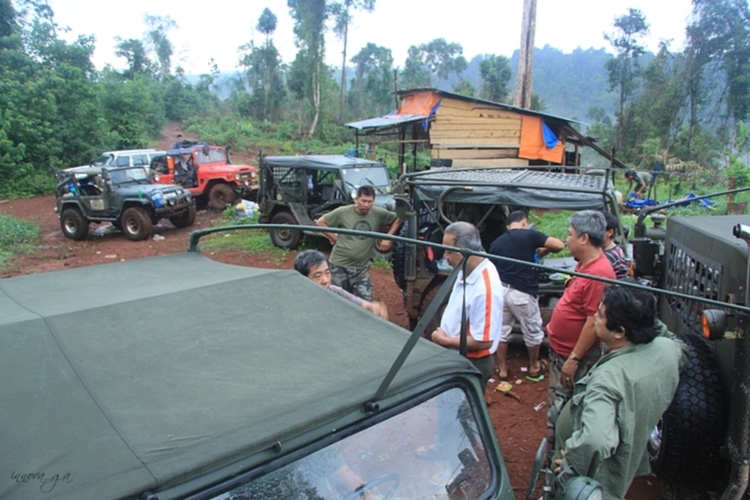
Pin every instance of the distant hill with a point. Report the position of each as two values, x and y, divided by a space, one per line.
569 84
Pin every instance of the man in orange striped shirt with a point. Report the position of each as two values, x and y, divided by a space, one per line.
483 299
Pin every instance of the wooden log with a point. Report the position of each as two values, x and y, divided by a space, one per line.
477 154
474 134
492 142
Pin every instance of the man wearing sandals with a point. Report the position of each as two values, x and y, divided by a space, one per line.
573 344
521 288
480 291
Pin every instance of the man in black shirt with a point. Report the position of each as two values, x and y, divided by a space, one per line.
520 287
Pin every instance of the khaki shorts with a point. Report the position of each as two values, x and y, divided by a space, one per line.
524 308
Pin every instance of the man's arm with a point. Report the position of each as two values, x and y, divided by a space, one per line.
331 236
586 339
551 244
386 245
439 337
378 308
597 437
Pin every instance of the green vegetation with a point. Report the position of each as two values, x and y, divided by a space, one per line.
16 236
683 113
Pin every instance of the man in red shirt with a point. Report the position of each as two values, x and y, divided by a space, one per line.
573 344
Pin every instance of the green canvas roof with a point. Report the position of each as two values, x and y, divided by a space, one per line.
333 162
504 186
143 375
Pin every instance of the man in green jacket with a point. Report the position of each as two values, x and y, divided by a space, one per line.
603 430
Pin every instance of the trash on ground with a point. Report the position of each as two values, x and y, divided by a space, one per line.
504 386
540 406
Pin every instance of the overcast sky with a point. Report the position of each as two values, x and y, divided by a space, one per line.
217 28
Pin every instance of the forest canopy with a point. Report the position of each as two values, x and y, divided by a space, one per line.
671 109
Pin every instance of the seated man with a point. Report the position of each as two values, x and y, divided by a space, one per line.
314 265
603 430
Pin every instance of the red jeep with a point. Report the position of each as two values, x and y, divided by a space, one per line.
207 172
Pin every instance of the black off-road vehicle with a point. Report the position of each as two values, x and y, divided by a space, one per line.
429 201
299 189
122 196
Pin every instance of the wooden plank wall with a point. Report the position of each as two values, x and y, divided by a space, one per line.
476 135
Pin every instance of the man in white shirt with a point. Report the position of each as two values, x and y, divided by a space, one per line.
483 299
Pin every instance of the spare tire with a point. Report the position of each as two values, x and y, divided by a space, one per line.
398 259
684 446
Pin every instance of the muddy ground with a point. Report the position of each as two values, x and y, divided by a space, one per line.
518 426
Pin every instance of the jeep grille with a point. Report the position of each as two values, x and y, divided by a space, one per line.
693 274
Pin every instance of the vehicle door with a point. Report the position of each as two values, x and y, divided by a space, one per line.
93 194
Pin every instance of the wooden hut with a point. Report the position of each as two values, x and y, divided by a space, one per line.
462 131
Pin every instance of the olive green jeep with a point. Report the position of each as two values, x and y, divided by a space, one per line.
122 196
429 201
299 189
702 444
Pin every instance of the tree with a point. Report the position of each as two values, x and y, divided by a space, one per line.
415 73
443 59
496 74
719 40
623 70
342 12
135 53
370 92
263 73
156 36
431 63
309 28
464 87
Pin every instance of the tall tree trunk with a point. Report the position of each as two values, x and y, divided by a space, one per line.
316 99
343 74
522 98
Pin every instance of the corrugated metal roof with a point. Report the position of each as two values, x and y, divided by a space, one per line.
386 121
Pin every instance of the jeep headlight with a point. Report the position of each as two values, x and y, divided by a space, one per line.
237 176
156 178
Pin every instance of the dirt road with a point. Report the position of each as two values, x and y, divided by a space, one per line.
518 426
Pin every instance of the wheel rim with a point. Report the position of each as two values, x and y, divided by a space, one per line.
131 225
284 234
70 225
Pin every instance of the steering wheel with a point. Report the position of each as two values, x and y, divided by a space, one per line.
375 482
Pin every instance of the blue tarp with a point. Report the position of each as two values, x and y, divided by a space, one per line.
550 139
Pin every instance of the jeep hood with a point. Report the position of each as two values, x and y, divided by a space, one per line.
142 375
145 189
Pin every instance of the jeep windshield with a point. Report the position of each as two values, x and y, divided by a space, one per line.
376 176
215 155
381 459
128 175
103 161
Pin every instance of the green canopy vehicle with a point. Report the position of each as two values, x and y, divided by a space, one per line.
109 395
300 189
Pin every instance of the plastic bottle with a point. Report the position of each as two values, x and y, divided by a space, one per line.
72 189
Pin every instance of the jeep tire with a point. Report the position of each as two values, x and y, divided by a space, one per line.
73 224
185 219
136 224
220 196
398 259
285 238
684 446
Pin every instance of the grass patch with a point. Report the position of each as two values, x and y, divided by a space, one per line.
16 236
242 240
